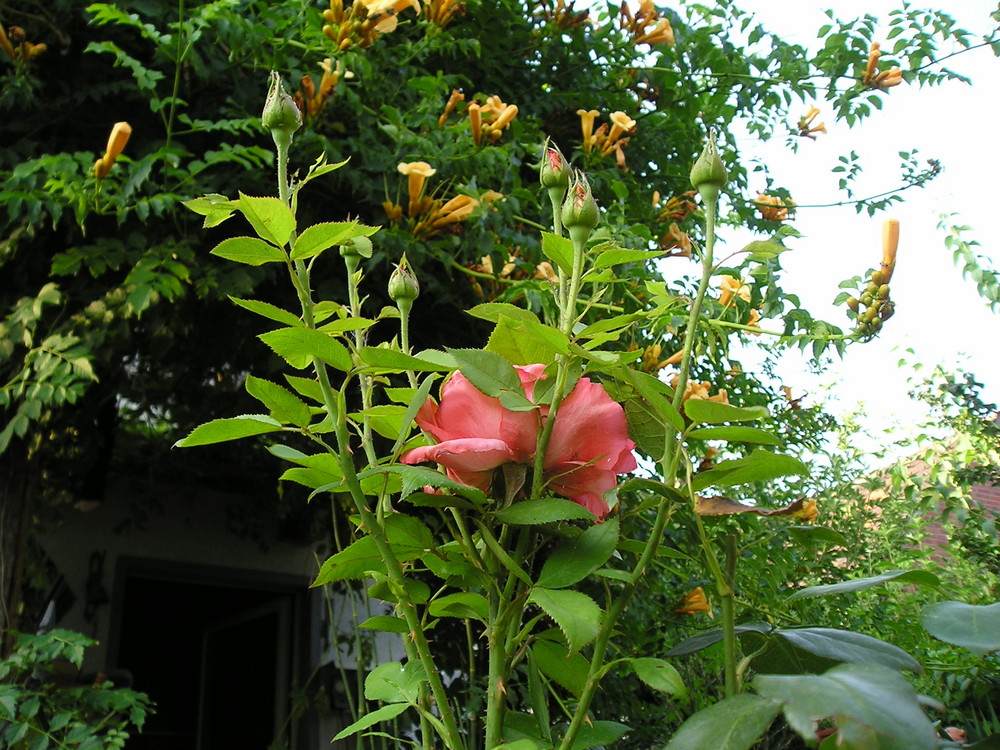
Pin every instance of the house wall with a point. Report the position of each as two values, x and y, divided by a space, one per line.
181 533
988 495
170 524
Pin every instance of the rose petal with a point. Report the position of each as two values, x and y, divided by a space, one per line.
583 484
466 412
462 455
591 428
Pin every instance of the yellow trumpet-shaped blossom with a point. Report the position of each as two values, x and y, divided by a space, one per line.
873 78
890 242
310 99
17 47
442 12
729 287
645 26
488 121
606 140
562 14
361 23
806 127
695 602
454 98
416 173
773 208
116 144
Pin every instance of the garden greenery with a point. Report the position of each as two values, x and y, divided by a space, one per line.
482 254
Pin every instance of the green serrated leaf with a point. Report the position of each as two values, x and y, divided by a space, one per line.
269 311
285 406
560 666
298 347
734 434
759 466
385 624
547 510
385 713
271 218
390 360
559 250
493 311
523 342
731 724
248 250
233 428
319 237
577 615
392 682
465 605
575 559
660 675
703 411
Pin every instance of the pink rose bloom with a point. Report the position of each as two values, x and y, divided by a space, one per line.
475 433
587 449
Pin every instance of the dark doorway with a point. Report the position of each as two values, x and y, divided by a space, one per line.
215 657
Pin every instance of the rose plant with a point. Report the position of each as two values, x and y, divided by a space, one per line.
504 511
588 444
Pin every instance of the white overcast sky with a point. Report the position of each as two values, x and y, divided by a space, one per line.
938 315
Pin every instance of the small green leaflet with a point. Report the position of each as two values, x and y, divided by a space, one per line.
248 250
233 428
298 347
270 218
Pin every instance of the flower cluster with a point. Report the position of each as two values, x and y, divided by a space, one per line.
489 120
700 390
645 26
563 15
361 23
15 44
876 79
588 445
513 270
311 100
604 140
675 242
695 602
806 129
773 208
730 287
442 12
429 216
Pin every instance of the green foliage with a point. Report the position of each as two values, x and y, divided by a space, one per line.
42 705
146 312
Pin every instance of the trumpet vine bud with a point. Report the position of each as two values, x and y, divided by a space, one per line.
709 174
281 114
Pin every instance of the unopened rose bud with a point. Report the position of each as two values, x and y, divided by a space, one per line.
709 174
555 172
579 211
852 304
403 285
281 114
